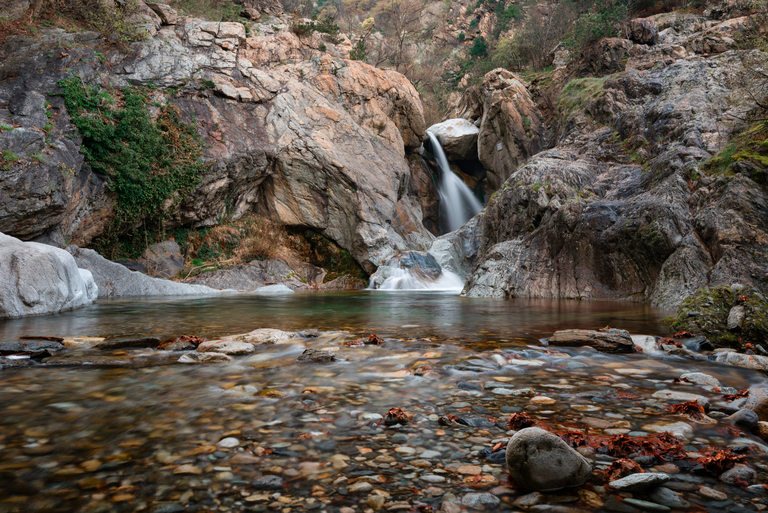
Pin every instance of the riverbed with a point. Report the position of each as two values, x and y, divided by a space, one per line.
266 432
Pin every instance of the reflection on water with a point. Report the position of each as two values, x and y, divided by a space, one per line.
412 314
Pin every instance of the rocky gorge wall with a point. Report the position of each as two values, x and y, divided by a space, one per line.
292 129
622 204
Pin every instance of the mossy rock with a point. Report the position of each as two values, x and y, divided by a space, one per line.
706 313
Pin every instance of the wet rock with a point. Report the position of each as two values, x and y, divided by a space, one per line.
269 482
33 348
480 500
228 443
679 429
360 487
745 419
699 378
609 341
747 361
681 397
115 280
210 357
163 259
667 497
711 493
646 505
458 137
757 401
316 356
229 347
539 460
758 489
739 474
265 336
40 279
128 343
639 482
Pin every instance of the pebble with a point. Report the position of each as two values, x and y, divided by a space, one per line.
470 470
542 399
269 482
429 454
229 442
361 486
667 497
376 501
650 506
699 378
739 473
639 481
399 438
187 469
711 493
432 478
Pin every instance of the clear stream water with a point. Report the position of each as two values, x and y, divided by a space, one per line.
306 439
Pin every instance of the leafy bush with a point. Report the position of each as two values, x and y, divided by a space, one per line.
479 48
148 162
603 19
324 25
112 19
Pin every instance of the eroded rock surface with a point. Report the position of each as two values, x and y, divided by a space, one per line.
40 279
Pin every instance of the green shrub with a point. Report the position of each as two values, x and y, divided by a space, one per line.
603 19
479 48
8 159
147 161
461 37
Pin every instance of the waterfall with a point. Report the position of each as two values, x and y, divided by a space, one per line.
457 203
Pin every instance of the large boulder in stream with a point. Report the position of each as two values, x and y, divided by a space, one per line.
458 137
414 270
40 279
116 280
606 340
539 460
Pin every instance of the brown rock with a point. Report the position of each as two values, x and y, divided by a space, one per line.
609 341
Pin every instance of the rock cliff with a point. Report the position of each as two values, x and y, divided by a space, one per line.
294 131
623 205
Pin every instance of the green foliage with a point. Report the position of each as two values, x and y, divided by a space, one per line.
148 161
8 159
461 37
603 19
474 23
324 25
216 10
479 48
358 52
746 152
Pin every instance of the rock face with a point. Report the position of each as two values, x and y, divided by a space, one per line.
511 127
611 212
260 273
458 137
540 460
40 279
608 341
163 259
295 131
115 280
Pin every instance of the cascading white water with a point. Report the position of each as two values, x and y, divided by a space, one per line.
457 203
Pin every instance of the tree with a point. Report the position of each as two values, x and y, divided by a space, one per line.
401 23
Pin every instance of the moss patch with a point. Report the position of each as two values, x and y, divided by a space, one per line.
706 312
746 152
578 94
